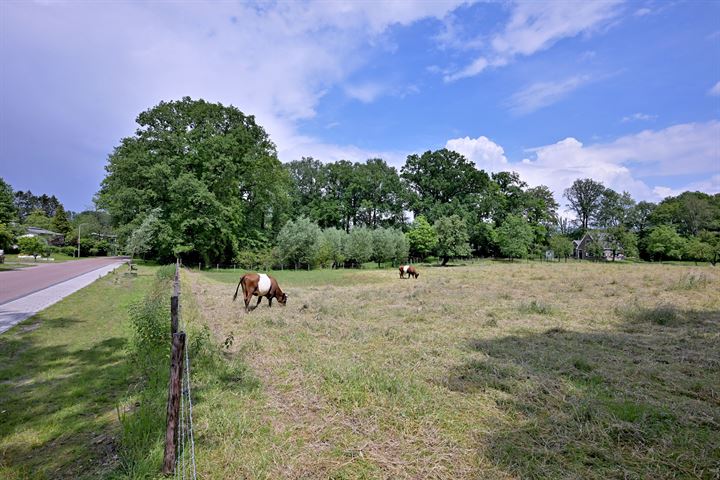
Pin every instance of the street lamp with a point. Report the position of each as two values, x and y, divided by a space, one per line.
80 225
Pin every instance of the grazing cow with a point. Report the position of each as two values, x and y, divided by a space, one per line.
260 285
408 270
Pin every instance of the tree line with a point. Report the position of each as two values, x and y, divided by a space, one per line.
202 181
22 209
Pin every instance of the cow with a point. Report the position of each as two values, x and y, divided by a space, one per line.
409 270
260 285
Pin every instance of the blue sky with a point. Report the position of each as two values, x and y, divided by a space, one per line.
627 93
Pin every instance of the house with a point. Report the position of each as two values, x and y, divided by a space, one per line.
53 238
582 250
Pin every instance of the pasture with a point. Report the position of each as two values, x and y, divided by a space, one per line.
493 370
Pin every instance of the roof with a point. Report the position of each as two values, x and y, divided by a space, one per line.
41 231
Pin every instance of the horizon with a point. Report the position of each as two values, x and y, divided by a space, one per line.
625 93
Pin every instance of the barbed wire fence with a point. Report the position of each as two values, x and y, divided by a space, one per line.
179 459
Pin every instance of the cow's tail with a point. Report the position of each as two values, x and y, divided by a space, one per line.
238 287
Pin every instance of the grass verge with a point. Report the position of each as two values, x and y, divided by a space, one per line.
62 373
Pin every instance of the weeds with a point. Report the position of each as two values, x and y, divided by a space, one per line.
537 307
662 314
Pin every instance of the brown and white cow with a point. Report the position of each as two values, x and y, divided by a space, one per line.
260 285
408 270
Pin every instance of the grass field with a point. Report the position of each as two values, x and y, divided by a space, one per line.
62 375
496 370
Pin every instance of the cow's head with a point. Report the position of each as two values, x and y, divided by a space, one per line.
282 299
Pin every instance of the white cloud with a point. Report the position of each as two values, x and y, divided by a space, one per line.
641 12
638 116
639 163
366 93
486 154
715 90
542 94
273 60
536 26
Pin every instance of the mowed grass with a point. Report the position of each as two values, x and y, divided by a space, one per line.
496 370
62 374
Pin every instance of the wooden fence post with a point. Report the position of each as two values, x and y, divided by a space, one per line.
173 404
174 312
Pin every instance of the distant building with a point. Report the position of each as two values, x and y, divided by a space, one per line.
53 238
580 247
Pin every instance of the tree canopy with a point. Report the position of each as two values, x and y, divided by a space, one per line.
210 169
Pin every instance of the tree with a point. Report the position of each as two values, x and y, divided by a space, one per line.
561 246
60 222
211 169
380 192
360 246
697 250
483 238
453 238
441 183
298 241
640 215
713 240
6 237
615 209
333 245
383 246
38 219
514 237
619 238
32 246
422 238
664 242
144 238
7 203
401 248
584 197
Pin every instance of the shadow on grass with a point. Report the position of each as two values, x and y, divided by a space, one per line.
639 402
57 404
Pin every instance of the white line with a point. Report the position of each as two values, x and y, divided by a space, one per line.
12 313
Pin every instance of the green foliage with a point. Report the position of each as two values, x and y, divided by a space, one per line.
332 247
514 237
561 245
7 237
584 197
401 247
39 219
442 182
150 322
664 243
484 238
422 238
211 170
696 249
146 236
298 242
359 245
60 222
7 205
383 245
34 246
453 238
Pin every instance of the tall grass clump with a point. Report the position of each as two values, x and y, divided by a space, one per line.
537 307
661 314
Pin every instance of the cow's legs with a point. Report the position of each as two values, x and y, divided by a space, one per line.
270 301
258 302
248 298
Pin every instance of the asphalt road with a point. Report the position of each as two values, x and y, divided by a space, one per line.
16 284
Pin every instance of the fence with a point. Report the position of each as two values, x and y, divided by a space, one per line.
179 436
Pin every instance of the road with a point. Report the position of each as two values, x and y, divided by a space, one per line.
15 284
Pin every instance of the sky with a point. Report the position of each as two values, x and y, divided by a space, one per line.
626 93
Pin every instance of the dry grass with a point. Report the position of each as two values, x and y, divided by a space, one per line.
496 370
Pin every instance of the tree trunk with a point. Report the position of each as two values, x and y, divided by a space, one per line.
445 260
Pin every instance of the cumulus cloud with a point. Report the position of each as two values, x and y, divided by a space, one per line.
640 163
486 154
537 26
